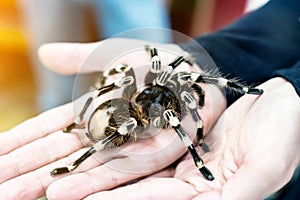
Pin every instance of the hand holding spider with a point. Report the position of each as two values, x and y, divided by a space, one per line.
164 100
256 153
26 162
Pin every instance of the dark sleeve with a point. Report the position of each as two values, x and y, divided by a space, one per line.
291 74
262 44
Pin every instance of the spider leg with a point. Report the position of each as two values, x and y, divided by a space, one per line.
155 65
122 82
78 120
175 123
122 68
201 94
124 129
191 104
155 76
165 75
220 81
131 88
104 75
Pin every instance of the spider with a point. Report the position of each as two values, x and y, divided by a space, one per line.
164 101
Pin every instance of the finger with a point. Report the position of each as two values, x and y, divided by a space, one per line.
70 58
65 58
160 188
115 172
34 183
37 127
37 154
14 190
187 172
210 195
82 184
253 181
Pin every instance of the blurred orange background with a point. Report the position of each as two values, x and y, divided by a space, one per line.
17 87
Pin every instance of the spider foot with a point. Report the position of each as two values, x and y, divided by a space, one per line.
69 128
206 173
58 171
63 170
255 91
72 126
204 147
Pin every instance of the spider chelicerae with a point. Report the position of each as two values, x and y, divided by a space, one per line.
165 99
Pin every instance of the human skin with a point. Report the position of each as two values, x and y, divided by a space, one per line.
255 155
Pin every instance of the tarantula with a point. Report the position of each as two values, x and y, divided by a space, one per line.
164 101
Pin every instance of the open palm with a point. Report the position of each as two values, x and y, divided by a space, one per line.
256 153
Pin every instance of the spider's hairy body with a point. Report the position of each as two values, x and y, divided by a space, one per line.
104 123
166 98
147 106
154 100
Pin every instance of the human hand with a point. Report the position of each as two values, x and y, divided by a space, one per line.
256 153
28 162
31 150
258 149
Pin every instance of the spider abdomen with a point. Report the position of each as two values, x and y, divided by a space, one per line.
106 119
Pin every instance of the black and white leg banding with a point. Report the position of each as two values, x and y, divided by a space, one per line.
155 68
192 106
175 123
201 94
122 82
165 75
104 75
155 61
124 129
96 147
221 82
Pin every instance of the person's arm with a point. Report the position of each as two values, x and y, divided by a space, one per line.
258 44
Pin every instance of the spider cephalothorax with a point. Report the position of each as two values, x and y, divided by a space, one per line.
163 102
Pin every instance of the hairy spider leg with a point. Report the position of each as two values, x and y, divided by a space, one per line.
131 88
122 82
165 75
174 121
128 91
126 128
121 68
191 104
155 60
155 69
201 94
104 75
221 82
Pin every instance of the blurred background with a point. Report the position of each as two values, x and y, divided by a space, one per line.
27 88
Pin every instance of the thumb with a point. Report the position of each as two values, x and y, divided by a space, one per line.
253 181
65 58
68 58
